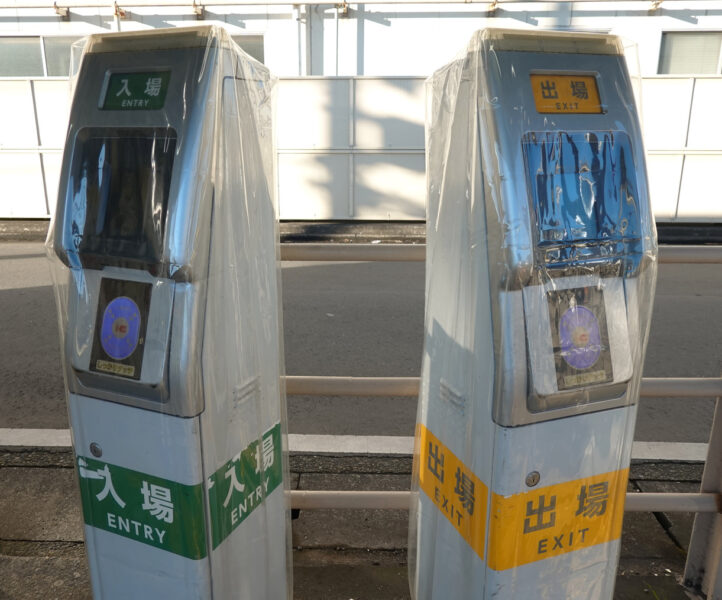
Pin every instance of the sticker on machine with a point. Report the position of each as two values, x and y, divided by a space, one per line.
555 520
119 341
242 484
150 510
459 495
579 336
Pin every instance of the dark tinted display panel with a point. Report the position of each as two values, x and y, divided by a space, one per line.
119 189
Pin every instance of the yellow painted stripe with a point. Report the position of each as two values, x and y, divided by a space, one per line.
455 490
554 520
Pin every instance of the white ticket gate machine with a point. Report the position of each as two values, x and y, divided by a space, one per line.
167 289
541 265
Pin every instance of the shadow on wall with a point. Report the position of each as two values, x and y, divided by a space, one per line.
351 149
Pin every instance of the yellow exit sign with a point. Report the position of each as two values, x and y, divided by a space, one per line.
560 94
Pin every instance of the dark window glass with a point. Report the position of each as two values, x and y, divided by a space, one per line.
251 44
119 195
690 52
20 57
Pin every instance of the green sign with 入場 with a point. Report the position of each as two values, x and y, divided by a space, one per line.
136 91
170 515
151 510
242 484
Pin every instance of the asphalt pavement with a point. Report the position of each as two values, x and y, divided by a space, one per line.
360 319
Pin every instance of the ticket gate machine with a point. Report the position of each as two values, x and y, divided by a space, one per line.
165 240
541 265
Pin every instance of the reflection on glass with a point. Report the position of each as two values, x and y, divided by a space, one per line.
120 184
585 196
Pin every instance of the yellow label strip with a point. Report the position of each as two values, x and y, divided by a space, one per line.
455 490
557 519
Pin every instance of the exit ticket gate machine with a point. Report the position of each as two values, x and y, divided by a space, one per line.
541 264
168 303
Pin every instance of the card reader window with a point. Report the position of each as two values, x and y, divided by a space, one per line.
120 185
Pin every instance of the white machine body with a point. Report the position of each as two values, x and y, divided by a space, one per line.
167 282
541 264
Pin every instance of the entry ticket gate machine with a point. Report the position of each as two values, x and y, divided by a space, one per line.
167 289
541 265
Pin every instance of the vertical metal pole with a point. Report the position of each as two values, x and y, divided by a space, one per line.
703 570
336 19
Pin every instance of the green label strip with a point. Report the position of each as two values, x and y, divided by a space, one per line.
169 515
242 484
136 91
141 507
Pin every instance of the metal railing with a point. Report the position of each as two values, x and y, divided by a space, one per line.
703 565
417 253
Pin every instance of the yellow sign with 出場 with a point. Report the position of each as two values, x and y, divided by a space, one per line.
562 94
554 520
454 488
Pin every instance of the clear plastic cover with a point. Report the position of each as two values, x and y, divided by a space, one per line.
165 259
541 266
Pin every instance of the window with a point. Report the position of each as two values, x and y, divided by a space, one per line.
23 56
20 57
691 52
251 44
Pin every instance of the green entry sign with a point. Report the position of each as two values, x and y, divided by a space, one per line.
243 483
169 515
148 509
136 91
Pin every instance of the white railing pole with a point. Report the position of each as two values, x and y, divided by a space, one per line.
304 385
706 504
329 252
702 571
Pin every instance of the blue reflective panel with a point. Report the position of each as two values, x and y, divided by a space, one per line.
585 196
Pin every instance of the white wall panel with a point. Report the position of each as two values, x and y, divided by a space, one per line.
700 196
52 162
389 113
23 195
17 119
52 100
389 186
314 186
665 112
705 127
664 172
313 113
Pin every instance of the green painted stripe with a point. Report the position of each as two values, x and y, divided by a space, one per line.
241 484
151 510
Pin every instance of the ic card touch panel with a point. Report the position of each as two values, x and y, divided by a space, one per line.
120 328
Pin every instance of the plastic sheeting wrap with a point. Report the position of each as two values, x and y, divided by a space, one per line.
541 265
166 267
